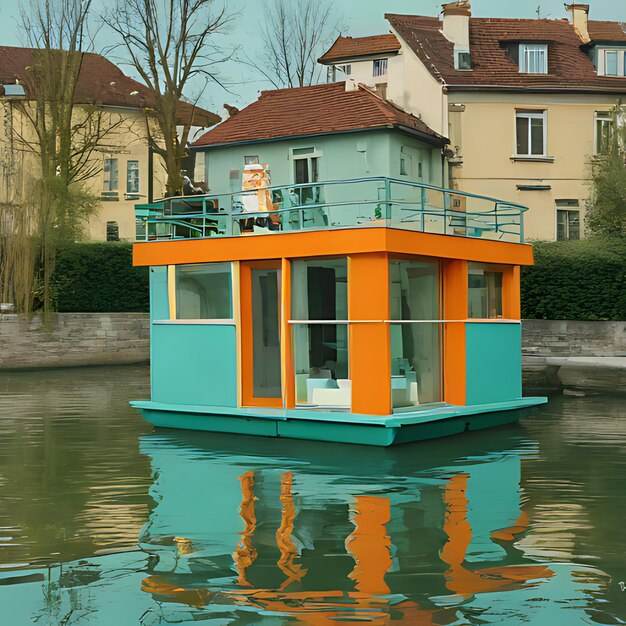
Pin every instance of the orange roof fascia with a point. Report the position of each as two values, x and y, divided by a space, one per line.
338 242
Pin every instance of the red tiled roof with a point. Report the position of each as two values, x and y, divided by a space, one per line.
99 82
607 31
349 47
317 110
569 66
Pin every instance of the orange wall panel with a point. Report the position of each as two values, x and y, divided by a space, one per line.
455 297
370 358
511 293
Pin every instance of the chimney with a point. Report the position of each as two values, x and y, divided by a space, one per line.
580 20
456 17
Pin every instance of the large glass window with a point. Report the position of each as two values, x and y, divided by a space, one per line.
203 291
484 291
132 177
604 131
414 290
110 182
533 58
319 294
530 127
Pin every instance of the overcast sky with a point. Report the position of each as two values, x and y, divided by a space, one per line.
362 17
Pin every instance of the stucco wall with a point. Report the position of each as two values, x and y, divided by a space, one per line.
487 144
342 156
72 339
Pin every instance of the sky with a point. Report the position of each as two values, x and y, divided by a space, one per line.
361 17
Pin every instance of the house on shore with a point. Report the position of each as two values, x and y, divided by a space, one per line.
321 133
525 102
120 168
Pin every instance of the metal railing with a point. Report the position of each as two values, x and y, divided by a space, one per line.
363 202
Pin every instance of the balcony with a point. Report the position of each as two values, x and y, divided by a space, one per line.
359 203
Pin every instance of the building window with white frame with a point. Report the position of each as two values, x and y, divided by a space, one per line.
567 220
110 181
530 130
604 131
533 58
380 67
462 60
132 178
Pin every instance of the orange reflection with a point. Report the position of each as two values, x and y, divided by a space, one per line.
369 544
245 553
288 551
466 582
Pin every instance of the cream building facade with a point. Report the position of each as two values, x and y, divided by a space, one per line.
124 170
525 103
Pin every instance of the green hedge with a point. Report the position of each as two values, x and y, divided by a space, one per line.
100 278
576 280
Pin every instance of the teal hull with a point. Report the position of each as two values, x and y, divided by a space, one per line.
339 427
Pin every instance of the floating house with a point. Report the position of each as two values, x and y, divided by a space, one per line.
351 298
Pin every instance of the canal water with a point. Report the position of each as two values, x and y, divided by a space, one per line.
105 521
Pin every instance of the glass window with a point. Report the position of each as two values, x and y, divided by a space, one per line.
463 60
252 159
485 292
203 291
567 224
306 170
530 129
533 58
266 333
113 231
320 293
414 291
604 131
610 63
110 175
132 177
380 67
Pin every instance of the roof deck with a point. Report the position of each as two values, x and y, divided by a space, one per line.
332 205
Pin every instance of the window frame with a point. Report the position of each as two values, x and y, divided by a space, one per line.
380 67
107 183
530 115
457 59
538 49
136 171
173 295
567 209
491 268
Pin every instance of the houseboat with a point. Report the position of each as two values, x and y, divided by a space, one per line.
370 310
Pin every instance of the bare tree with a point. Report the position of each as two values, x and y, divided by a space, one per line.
295 34
171 44
50 206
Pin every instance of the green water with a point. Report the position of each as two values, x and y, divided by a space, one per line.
105 521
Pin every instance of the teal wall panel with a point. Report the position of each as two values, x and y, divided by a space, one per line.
159 306
494 362
194 364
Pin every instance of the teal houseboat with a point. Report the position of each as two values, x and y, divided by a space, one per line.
351 297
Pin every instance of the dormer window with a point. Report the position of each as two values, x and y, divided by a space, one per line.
612 62
533 58
462 60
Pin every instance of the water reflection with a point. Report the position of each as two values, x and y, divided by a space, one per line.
512 526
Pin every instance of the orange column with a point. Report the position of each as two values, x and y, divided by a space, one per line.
368 343
455 294
288 380
511 288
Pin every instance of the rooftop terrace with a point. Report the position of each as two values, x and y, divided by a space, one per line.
359 203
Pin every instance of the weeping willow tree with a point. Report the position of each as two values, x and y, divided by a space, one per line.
606 214
53 142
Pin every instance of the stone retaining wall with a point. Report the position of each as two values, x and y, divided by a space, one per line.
567 338
72 339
